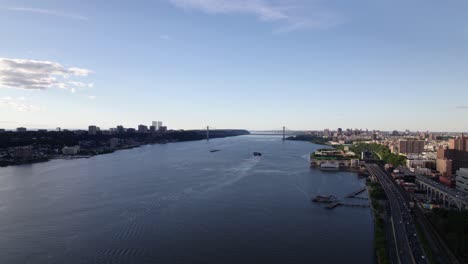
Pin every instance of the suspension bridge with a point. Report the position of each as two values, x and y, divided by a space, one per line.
284 132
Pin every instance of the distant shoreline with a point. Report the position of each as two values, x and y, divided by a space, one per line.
169 138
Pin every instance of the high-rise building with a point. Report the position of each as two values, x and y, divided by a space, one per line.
462 179
21 129
450 160
459 143
92 130
410 146
157 124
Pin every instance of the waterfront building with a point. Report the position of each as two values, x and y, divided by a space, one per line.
21 129
462 179
92 130
410 146
23 153
142 129
70 150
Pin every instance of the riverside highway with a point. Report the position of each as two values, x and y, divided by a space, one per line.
407 243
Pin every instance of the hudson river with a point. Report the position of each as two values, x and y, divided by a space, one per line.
180 203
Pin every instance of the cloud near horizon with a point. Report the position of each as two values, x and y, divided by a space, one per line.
19 104
289 13
40 75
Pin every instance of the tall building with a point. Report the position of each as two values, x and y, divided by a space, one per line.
450 160
459 143
410 146
142 129
21 129
462 179
92 130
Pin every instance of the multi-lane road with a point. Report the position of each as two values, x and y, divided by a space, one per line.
408 247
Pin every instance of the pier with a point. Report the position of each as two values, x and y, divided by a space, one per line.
334 205
353 194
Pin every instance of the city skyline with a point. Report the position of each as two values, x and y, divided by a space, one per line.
256 65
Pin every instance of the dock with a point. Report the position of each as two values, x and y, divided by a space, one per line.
353 194
334 205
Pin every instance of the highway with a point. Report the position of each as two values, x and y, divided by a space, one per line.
407 244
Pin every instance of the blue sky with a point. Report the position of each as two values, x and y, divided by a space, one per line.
255 64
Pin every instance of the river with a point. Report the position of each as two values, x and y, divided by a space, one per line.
181 203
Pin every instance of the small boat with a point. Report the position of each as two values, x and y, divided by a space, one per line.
215 150
257 154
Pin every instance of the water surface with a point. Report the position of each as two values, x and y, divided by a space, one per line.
180 203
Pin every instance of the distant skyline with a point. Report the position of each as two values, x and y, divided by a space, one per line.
253 64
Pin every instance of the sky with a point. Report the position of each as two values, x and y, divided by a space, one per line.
253 64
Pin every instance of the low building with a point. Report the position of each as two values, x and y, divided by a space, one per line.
421 163
142 129
462 179
23 153
70 150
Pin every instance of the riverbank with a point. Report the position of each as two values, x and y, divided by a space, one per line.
36 147
310 138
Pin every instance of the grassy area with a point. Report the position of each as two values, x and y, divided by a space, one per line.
425 244
380 244
383 152
453 227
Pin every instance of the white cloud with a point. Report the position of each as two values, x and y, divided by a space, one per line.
293 15
46 12
19 104
39 75
462 107
92 97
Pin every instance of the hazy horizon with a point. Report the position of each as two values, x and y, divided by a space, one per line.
258 65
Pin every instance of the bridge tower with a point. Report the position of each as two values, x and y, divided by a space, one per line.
207 133
284 133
